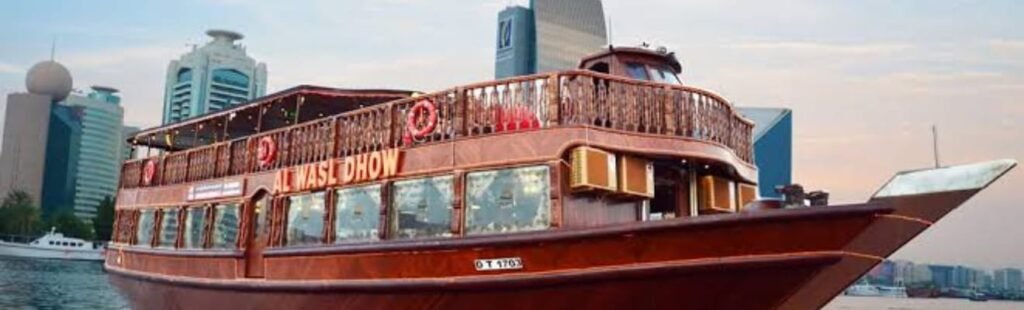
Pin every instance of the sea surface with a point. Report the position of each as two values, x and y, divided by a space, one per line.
55 284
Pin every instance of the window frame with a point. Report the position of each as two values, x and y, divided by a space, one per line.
467 208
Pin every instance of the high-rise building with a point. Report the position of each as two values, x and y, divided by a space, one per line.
773 147
63 149
1007 280
100 151
211 78
26 128
550 35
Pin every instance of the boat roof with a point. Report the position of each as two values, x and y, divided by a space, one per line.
660 55
316 101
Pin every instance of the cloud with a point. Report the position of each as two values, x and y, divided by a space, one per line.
818 48
10 69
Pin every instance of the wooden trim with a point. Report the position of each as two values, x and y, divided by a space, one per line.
638 271
491 240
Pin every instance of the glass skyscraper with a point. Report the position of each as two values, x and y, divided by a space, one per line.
550 35
773 147
212 78
100 148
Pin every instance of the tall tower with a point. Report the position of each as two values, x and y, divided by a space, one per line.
98 153
26 128
550 35
211 78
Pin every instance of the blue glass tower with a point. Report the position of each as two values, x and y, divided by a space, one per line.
550 35
100 148
773 147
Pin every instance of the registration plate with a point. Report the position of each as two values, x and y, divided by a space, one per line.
507 263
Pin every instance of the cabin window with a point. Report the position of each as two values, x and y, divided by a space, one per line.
144 234
422 208
305 219
664 75
357 213
169 228
637 71
195 220
225 228
508 200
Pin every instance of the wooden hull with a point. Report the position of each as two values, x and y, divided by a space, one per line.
790 259
741 261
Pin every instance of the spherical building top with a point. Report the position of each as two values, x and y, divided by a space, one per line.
49 78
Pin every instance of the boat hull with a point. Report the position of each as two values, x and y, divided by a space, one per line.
8 249
738 261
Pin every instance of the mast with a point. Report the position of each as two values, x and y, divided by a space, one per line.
935 145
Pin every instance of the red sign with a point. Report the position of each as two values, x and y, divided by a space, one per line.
360 168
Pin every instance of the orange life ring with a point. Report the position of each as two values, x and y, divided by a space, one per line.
414 115
148 171
266 151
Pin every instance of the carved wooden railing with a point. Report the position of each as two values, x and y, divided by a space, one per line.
570 98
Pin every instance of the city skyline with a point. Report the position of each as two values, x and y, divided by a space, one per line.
864 76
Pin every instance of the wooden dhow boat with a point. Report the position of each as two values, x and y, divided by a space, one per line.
614 186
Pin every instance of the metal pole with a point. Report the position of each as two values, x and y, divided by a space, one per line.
935 145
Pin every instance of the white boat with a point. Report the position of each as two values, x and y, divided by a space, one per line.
892 291
54 245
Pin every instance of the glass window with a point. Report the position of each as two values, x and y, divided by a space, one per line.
508 200
169 228
194 222
231 77
184 75
305 219
225 228
664 75
637 71
422 208
357 213
145 229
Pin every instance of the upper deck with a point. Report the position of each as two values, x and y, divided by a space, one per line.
568 99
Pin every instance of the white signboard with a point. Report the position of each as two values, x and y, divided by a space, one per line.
215 190
507 263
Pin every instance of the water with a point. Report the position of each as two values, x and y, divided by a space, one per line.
55 284
882 303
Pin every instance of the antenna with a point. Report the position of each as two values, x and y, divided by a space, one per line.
935 145
53 48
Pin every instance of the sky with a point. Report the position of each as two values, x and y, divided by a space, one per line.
866 79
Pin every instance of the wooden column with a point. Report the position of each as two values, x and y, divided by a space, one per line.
458 217
557 170
554 100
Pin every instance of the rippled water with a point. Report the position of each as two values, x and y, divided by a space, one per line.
882 303
55 284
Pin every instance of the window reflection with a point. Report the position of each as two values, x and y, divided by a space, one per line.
507 200
144 235
422 208
169 228
225 228
357 213
637 71
194 223
305 219
664 75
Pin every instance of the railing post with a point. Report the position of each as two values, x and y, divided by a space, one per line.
670 111
554 100
460 112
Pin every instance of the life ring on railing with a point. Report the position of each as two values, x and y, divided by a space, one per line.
266 151
148 172
415 114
